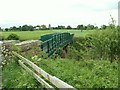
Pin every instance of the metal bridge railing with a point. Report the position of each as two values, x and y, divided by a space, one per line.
55 41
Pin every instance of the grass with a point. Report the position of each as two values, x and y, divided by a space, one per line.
14 76
79 74
31 35
83 74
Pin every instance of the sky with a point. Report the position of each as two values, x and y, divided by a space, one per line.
57 12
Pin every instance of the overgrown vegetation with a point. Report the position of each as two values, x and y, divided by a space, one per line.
14 76
13 37
35 53
90 62
98 45
80 74
83 74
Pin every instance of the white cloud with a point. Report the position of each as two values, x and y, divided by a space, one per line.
72 12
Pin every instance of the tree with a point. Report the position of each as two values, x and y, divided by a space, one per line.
31 28
69 27
96 27
103 27
25 28
78 27
81 27
6 29
20 28
14 28
43 27
38 27
90 27
61 27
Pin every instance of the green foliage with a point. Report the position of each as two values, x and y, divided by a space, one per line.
43 27
86 64
90 27
81 27
105 43
72 53
118 38
14 76
60 27
102 44
31 35
103 27
69 27
99 45
57 54
33 52
83 74
13 37
80 47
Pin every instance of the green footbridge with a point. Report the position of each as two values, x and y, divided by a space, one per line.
52 42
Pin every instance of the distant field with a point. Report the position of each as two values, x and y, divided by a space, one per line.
28 35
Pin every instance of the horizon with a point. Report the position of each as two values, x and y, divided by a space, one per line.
47 26
57 12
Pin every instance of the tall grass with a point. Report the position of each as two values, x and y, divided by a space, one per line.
14 76
83 74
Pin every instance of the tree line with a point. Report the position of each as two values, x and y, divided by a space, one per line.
44 27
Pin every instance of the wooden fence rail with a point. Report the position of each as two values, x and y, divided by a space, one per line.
54 80
35 75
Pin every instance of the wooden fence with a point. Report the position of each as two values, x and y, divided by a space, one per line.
52 79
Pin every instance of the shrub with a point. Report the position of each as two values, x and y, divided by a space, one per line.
13 37
103 44
72 53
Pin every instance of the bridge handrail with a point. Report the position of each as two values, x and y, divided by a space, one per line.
62 38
